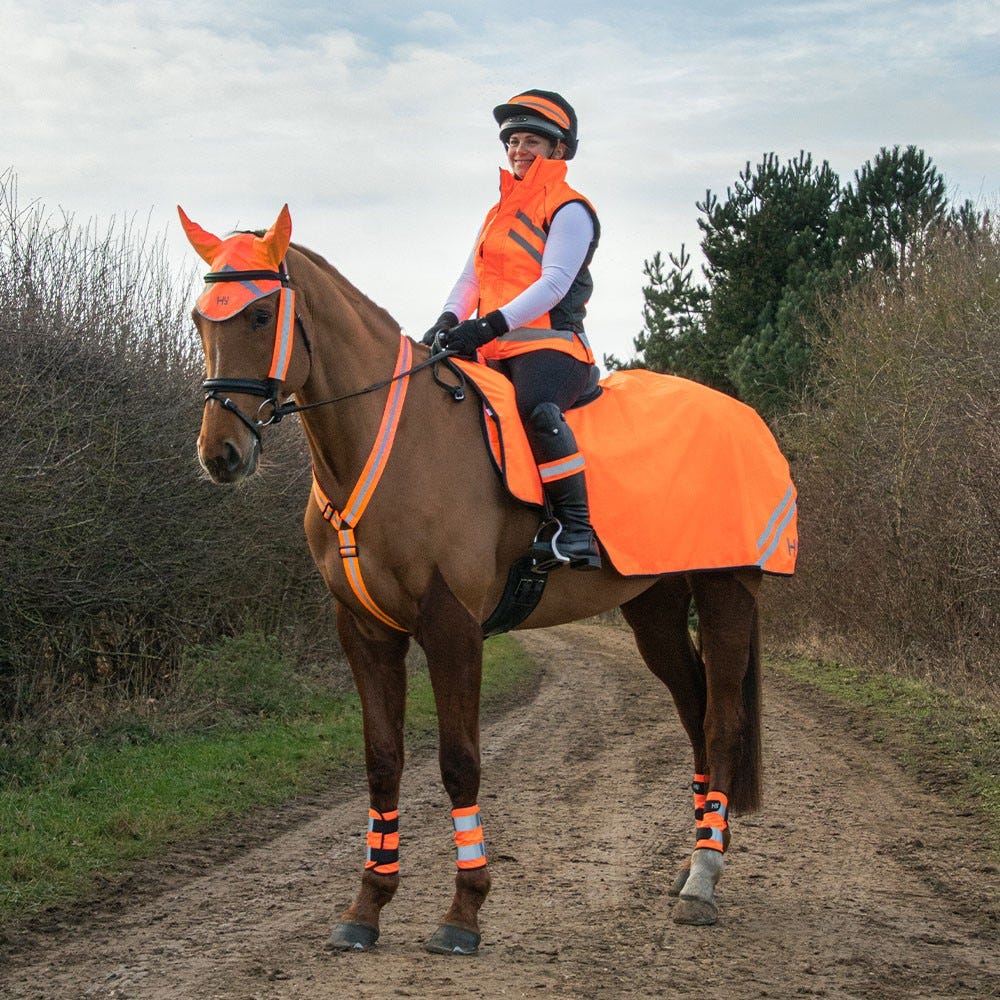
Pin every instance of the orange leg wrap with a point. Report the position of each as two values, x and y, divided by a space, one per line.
713 825
470 846
382 842
700 789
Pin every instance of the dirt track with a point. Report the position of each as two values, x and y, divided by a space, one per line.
851 883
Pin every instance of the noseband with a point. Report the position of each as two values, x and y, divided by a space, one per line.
217 388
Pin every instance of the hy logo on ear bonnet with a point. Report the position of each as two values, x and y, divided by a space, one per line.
244 268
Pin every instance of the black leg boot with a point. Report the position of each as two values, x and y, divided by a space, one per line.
560 465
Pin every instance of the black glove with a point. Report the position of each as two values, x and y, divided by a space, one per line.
444 322
471 334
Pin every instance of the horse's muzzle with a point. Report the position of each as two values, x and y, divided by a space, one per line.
226 462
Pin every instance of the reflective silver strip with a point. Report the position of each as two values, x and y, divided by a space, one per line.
527 334
572 464
786 510
464 823
472 853
526 246
540 233
284 334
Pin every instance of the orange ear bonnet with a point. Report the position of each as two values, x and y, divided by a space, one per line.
222 299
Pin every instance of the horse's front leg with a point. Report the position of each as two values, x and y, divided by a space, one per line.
452 640
378 662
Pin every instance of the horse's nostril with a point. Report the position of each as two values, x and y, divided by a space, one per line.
228 463
233 459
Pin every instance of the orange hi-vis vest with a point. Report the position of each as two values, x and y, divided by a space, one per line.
508 258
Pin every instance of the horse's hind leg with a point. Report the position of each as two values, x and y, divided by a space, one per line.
659 619
378 662
728 627
453 641
727 619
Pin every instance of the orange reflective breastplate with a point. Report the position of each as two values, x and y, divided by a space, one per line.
345 522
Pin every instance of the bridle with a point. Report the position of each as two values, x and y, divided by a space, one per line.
217 388
272 410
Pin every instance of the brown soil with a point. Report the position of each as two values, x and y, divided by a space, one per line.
852 882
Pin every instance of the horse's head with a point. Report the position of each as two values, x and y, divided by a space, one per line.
246 319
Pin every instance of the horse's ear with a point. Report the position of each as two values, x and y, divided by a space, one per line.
277 238
204 242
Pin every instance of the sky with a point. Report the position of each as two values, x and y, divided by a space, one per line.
375 124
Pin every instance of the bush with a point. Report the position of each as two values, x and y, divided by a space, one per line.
239 678
118 553
898 468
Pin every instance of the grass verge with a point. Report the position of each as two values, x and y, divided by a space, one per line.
81 813
952 746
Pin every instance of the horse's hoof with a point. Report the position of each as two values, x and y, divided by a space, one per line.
695 912
352 937
680 880
451 940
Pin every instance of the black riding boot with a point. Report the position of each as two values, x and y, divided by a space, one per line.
560 466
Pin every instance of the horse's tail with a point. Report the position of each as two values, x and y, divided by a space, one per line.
746 792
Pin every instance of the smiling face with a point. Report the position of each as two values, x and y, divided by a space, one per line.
524 147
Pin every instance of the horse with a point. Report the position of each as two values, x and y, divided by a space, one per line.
283 331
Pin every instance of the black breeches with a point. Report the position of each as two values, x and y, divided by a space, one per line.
545 377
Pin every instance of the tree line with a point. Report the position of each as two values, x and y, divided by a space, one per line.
862 321
785 237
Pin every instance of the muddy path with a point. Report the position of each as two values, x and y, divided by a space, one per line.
852 883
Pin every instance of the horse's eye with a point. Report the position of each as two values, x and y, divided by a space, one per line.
259 318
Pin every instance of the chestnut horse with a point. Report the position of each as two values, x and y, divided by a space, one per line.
429 559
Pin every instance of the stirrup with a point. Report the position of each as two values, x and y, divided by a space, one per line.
547 556
544 556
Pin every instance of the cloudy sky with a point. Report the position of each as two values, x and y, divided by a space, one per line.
375 125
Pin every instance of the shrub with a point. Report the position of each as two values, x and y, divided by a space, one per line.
117 552
898 468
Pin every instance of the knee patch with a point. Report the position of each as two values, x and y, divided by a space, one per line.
546 418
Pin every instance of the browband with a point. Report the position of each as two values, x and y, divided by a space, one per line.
214 276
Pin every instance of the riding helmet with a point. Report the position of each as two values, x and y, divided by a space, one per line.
543 112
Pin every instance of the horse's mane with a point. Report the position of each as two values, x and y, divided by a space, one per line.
350 292
356 298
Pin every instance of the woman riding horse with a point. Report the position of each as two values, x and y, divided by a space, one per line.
528 279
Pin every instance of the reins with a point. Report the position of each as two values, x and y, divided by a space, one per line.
457 391
258 387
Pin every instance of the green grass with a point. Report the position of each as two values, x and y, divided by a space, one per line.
950 745
73 813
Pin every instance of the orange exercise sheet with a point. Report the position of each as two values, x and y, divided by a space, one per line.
680 476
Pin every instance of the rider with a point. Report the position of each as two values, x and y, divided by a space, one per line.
528 281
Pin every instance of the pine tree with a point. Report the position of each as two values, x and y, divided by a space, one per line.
784 238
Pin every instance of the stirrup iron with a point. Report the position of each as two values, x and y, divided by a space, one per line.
545 556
